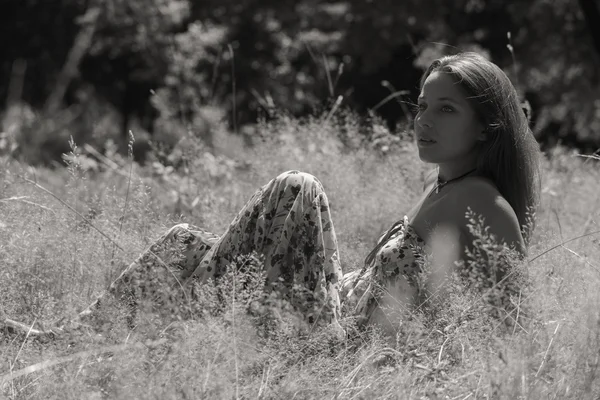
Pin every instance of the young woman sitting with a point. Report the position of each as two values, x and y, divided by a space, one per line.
469 124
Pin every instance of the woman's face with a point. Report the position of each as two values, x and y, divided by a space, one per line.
446 125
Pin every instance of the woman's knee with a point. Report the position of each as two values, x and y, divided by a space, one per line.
295 178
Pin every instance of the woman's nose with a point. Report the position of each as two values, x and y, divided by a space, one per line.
423 119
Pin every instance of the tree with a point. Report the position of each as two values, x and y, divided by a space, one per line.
177 66
132 52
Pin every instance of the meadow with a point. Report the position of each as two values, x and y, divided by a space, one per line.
53 264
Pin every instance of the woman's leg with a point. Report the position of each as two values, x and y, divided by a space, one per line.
289 222
156 277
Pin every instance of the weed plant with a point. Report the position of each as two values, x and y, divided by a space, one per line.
530 331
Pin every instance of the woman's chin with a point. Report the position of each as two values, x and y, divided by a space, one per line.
426 157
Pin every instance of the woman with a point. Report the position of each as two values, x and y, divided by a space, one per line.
469 123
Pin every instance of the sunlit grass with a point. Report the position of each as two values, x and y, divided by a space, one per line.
53 264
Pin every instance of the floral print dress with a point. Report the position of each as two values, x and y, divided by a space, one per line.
390 279
288 221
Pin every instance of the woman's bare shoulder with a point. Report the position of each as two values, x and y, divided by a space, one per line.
477 185
481 194
482 197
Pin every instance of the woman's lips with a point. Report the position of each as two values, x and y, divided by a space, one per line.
425 142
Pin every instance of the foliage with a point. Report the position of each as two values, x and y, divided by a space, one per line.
171 68
55 264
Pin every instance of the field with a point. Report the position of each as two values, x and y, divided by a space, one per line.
53 264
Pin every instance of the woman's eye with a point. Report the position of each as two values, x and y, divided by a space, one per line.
447 109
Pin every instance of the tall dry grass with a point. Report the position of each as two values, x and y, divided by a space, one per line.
53 264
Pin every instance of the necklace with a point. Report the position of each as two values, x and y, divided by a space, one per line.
440 183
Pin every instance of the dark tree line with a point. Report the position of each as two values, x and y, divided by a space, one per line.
169 67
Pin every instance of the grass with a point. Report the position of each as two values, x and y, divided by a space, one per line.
53 264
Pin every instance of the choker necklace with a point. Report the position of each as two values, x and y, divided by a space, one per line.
440 183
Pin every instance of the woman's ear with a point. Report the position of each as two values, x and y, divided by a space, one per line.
483 135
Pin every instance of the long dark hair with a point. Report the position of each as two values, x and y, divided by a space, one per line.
510 156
